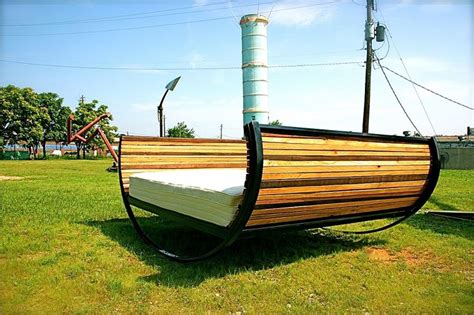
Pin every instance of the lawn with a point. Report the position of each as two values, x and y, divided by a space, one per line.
67 246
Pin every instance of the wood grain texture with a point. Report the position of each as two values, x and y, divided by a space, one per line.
154 154
306 178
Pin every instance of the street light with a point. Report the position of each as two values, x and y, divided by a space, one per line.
169 87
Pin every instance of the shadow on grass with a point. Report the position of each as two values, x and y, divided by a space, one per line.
441 225
259 253
442 205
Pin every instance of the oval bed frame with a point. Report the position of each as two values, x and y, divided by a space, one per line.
297 178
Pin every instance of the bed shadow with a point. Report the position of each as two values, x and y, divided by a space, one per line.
259 253
442 225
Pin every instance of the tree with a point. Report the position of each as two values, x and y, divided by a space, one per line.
54 123
275 123
20 117
181 131
84 114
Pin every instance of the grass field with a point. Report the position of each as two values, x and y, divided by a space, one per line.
66 245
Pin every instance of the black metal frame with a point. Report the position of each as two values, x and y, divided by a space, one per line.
253 134
228 234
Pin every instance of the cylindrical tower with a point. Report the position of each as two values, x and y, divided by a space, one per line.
255 68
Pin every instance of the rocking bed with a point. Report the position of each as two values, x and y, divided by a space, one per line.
278 178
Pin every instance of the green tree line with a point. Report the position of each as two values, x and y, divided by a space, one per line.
31 119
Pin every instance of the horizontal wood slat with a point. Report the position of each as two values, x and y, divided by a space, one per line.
342 187
284 198
339 174
339 181
342 168
347 141
342 152
326 212
342 145
345 163
126 139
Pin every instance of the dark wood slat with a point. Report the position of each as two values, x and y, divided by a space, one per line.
336 181
344 158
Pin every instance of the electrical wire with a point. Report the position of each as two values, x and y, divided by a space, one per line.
100 19
406 71
175 69
159 25
166 14
396 96
427 89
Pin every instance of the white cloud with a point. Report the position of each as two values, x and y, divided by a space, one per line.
303 16
199 3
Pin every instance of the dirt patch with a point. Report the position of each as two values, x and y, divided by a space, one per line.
2 177
407 255
415 258
380 254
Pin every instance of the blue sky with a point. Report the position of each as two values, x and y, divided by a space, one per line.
434 38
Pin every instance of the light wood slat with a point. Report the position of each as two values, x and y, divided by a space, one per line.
328 196
339 174
346 163
158 156
308 209
177 140
340 181
365 147
185 165
342 153
325 213
328 141
178 144
179 150
166 159
342 187
339 168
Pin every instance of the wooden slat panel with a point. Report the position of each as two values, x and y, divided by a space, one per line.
189 144
346 163
342 152
341 187
342 168
339 181
190 140
191 165
340 174
178 159
345 158
334 145
326 212
283 198
328 141
292 210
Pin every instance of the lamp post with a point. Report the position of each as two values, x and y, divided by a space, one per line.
169 87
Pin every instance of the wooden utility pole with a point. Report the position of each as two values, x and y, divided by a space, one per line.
369 35
221 131
82 99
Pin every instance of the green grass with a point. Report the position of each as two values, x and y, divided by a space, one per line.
66 245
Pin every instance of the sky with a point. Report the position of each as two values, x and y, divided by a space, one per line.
433 37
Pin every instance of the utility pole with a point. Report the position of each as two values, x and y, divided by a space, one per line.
82 99
221 131
369 35
164 125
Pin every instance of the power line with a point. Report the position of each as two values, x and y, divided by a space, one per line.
154 15
396 96
427 89
160 25
407 73
100 19
175 69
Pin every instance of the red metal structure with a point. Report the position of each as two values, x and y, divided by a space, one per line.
79 135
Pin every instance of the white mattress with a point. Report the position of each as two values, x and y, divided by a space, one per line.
212 195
